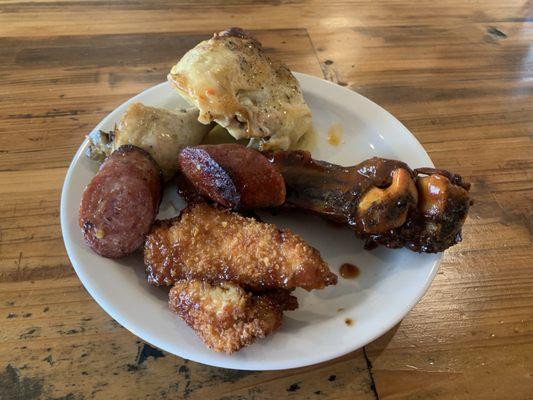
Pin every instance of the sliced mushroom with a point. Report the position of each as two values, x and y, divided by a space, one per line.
380 210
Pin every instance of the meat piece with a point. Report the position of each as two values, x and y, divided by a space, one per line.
187 190
233 175
225 316
162 133
231 80
382 209
384 201
213 244
100 145
121 202
207 177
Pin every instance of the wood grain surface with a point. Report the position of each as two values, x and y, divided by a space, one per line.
458 74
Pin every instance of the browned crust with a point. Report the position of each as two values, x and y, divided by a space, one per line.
225 316
235 32
212 244
208 177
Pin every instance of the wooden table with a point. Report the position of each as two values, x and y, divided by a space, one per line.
458 74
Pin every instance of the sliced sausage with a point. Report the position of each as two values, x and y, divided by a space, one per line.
121 202
233 175
207 177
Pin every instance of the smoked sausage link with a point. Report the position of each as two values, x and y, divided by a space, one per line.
233 175
121 202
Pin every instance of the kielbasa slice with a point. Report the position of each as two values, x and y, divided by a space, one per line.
121 202
233 175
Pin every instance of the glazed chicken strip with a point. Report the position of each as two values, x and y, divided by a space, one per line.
225 316
231 80
162 133
213 244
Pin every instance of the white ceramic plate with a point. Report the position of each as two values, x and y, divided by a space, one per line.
389 285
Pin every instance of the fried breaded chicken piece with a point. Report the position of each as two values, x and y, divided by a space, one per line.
214 244
225 316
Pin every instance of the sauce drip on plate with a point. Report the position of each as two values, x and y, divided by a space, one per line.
335 134
349 271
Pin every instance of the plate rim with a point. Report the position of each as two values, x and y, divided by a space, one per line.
249 365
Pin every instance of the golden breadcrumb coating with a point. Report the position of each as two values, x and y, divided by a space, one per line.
225 316
215 245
